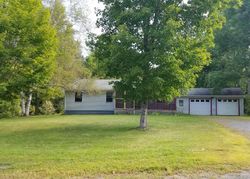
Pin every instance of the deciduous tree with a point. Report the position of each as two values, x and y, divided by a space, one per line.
69 62
157 47
231 56
27 48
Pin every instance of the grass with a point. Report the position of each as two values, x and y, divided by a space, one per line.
89 145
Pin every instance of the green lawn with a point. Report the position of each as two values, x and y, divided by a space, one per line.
90 145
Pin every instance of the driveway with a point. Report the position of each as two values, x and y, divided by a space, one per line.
239 125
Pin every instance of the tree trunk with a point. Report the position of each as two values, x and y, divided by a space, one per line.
144 113
27 110
23 103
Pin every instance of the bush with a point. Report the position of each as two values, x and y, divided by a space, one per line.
9 108
47 108
59 105
32 110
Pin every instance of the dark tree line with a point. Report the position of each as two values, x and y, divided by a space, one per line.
230 65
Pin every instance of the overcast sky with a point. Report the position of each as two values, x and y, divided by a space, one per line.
93 4
90 6
82 29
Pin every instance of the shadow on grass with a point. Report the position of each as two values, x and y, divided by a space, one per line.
90 133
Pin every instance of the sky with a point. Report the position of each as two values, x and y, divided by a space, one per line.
89 26
90 7
93 4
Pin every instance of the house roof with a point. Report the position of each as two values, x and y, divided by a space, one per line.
212 92
104 84
93 85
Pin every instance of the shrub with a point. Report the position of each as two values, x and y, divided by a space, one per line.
47 108
32 110
9 108
59 105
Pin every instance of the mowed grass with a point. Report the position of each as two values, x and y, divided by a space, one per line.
91 145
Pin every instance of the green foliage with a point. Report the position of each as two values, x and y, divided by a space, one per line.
58 104
38 52
28 46
96 67
157 47
53 94
47 108
9 108
69 63
220 79
231 56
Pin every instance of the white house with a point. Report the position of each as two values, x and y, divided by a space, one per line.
82 102
203 101
199 101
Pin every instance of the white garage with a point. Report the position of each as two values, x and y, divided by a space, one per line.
204 101
228 107
200 106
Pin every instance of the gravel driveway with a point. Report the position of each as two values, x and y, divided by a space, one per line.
241 126
240 175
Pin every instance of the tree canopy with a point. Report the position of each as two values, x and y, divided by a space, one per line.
28 47
157 47
230 66
69 62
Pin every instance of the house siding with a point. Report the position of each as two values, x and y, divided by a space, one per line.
182 109
90 104
242 106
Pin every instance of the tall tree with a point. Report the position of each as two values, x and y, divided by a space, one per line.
231 56
157 47
69 62
77 12
28 47
95 67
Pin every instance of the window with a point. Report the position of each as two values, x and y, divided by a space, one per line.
203 100
224 100
229 100
235 100
192 100
109 97
181 103
219 100
78 97
197 100
207 100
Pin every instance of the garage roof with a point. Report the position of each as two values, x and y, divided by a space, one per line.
231 91
200 91
212 92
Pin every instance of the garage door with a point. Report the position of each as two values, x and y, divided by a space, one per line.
228 107
200 106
